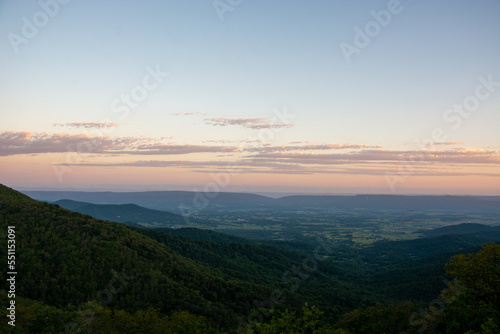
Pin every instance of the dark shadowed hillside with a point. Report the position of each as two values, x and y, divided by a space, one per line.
67 258
467 228
124 213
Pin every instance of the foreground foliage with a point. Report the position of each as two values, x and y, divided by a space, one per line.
468 305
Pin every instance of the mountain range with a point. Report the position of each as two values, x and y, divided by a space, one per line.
187 202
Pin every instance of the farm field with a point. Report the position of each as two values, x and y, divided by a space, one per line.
358 227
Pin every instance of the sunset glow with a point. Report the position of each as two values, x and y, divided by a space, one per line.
172 95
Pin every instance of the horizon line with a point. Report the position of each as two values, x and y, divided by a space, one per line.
271 194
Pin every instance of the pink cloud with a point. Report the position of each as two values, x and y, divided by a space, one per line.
250 123
12 143
190 114
450 156
312 147
88 125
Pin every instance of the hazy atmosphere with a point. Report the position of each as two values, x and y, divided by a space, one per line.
255 96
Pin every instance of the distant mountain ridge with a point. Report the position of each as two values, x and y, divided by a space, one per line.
124 213
186 201
466 228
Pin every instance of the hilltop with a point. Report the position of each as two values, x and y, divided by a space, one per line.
466 228
124 213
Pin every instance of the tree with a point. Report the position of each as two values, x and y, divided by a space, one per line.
477 308
480 273
288 322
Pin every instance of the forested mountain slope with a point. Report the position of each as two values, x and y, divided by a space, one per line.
70 258
124 213
67 258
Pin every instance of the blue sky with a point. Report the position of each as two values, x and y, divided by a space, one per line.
227 77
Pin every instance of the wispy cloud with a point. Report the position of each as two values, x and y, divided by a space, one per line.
448 143
250 123
432 144
320 147
467 155
263 166
12 143
88 125
227 141
288 159
190 114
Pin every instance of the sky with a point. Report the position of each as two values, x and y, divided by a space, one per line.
393 97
